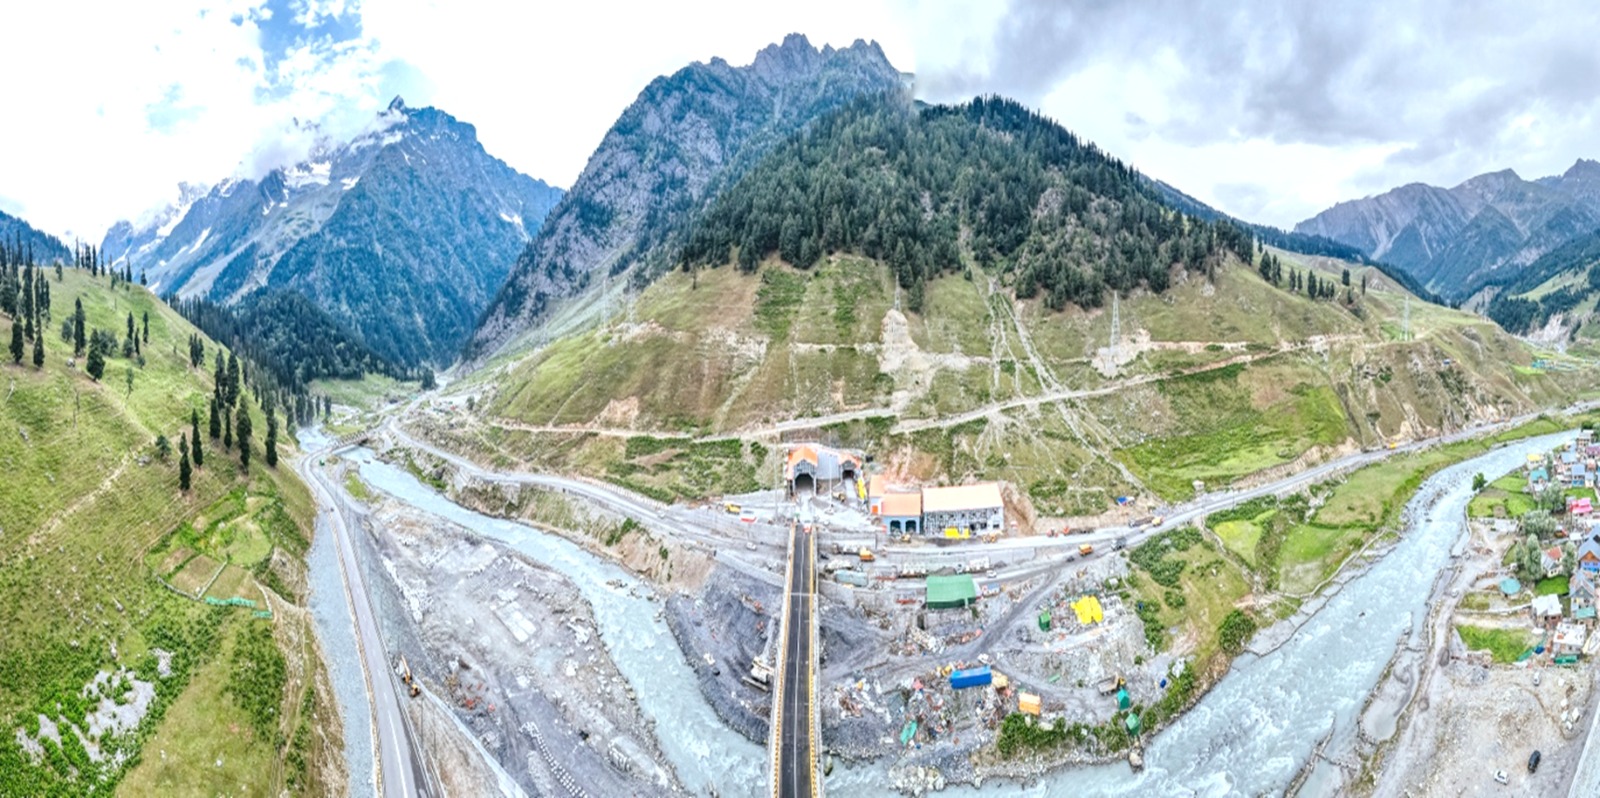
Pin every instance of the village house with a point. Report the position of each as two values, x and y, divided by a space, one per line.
1538 478
1546 611
1581 594
1589 553
1550 561
1568 640
1579 507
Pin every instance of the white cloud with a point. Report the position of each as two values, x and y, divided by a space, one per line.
1270 111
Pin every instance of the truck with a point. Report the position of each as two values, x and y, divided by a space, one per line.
1111 684
866 555
971 677
730 508
1085 550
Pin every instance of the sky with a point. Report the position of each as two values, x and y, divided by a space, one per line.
1270 111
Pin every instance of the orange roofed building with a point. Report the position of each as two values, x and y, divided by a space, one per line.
821 469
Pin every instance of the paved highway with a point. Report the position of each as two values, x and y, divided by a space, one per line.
795 721
401 771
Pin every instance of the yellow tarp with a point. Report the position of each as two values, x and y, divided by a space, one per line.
1088 610
1000 681
1028 702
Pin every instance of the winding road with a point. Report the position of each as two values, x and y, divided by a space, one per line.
401 771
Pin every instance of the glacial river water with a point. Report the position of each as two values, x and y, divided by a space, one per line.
1249 736
702 750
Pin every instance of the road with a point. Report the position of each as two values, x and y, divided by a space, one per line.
674 520
401 771
795 764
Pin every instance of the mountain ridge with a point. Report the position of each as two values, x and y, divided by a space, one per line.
683 138
1483 230
402 233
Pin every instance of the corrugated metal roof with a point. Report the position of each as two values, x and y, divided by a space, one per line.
902 504
981 496
951 591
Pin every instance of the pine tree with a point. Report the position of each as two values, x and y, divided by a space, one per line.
244 438
38 352
227 429
96 364
1346 278
16 342
183 465
130 326
272 439
216 422
194 435
233 380
78 334
147 326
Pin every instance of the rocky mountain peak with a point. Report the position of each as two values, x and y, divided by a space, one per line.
1583 169
794 56
397 104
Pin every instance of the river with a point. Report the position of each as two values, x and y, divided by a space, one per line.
700 747
1249 736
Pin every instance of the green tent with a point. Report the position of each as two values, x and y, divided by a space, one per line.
1133 724
1044 621
949 592
1122 698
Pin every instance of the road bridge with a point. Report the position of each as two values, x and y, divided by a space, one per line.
793 739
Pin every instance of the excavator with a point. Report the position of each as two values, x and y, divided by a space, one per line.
405 676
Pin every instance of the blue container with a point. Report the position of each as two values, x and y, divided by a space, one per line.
971 677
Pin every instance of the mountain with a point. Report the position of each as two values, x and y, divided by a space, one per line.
974 292
402 234
1554 299
1302 243
131 241
681 141
16 233
1455 241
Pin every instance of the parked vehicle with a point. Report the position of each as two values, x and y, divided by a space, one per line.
1111 684
1086 550
1533 761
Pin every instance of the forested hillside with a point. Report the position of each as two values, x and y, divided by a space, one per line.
141 480
934 191
18 235
288 336
1569 277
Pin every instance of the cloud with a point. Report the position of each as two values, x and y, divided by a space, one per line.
1271 110
1448 89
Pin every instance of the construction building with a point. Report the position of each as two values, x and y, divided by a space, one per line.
810 468
968 509
901 513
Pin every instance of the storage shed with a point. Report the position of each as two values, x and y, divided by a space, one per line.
949 592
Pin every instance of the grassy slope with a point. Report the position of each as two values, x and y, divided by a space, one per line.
84 497
724 351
